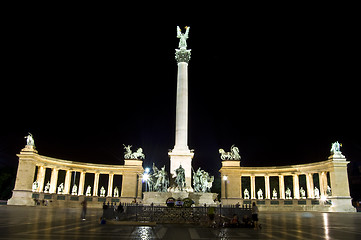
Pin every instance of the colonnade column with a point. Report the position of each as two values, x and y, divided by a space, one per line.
67 182
253 187
53 180
323 183
96 184
110 185
310 187
81 183
267 187
296 187
281 186
40 178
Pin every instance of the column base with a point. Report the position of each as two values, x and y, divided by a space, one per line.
341 204
21 197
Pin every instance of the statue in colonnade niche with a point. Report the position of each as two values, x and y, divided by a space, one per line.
102 191
302 193
116 192
88 191
35 186
47 187
288 193
61 188
246 194
317 193
274 194
74 190
260 194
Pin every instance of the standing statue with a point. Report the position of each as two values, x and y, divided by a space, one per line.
202 182
161 179
317 193
183 37
260 194
116 192
180 178
102 191
274 194
61 188
302 193
128 154
288 193
47 187
74 190
88 191
30 140
336 147
35 186
246 194
232 155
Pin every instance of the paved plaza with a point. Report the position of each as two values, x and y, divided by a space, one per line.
17 222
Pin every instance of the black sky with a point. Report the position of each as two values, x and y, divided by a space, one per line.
282 88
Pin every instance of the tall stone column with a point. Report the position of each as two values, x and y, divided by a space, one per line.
323 183
181 155
53 180
110 185
67 182
310 186
96 184
81 183
40 178
267 187
296 187
281 180
253 187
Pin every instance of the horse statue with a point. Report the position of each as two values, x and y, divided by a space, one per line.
128 154
232 155
138 154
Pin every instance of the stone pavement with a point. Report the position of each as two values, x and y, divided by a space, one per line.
55 223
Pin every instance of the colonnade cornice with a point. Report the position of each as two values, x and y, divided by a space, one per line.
298 169
61 164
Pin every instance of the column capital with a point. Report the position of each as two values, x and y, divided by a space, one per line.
182 55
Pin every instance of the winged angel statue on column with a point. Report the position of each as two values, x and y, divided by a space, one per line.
183 37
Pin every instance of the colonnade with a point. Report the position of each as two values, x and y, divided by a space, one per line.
30 160
55 183
329 177
281 194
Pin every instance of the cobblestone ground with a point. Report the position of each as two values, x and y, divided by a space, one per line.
54 223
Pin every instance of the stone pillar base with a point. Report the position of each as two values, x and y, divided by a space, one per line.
341 204
21 197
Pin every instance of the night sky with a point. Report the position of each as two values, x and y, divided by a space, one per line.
281 88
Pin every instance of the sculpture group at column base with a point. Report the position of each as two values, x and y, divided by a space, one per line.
21 197
160 198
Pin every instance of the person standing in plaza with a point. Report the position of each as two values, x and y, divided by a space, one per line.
255 215
83 212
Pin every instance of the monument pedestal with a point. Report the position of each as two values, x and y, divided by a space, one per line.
160 198
21 197
183 158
